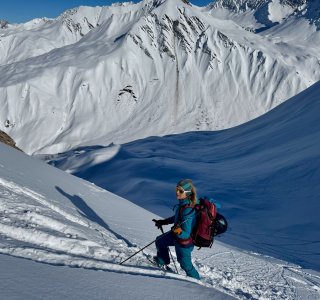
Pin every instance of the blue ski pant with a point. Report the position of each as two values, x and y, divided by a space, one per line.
183 253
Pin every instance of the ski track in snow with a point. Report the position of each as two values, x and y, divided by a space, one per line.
35 228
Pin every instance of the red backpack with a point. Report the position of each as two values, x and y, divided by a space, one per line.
209 223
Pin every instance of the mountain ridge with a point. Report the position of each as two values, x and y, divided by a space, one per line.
152 68
267 13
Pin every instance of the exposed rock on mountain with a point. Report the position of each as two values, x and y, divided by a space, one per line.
4 138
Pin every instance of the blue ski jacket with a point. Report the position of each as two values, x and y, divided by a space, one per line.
185 218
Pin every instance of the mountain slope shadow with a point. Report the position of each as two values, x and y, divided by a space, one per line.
86 211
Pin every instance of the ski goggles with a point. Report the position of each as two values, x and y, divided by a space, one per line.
180 190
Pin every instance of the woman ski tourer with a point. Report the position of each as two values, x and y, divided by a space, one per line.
180 234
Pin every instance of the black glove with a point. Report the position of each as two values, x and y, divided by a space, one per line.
159 223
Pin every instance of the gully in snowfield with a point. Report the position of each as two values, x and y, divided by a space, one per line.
180 235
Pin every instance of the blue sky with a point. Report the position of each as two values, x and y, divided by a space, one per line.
19 11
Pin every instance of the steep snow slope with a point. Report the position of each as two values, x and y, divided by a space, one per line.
265 173
52 217
285 22
259 15
76 229
152 68
39 36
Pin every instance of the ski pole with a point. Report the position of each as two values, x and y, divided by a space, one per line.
170 252
137 252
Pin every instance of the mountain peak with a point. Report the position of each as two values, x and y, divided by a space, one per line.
264 14
244 5
238 5
4 24
152 68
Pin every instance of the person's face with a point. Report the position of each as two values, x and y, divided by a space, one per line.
180 193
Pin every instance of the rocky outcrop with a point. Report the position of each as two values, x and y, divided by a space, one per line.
4 138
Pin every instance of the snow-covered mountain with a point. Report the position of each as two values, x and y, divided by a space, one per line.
260 15
119 73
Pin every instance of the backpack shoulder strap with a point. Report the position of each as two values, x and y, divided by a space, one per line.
183 207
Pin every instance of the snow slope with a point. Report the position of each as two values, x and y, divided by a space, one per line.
48 216
260 15
119 73
61 282
39 36
51 217
265 174
285 22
